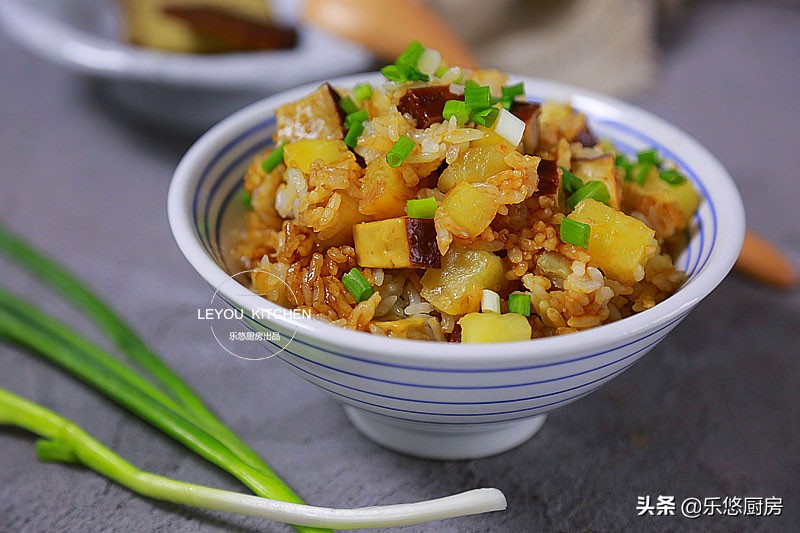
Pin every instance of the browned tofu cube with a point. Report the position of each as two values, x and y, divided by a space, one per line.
317 116
402 242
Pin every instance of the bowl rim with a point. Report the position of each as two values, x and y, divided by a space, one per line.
36 30
665 314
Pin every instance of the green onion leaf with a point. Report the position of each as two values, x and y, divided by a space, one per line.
672 176
411 54
648 156
477 97
274 159
353 133
356 118
400 151
357 285
401 73
570 181
422 208
640 176
458 109
574 232
247 200
622 162
361 92
519 302
348 105
471 83
594 189
512 91
441 70
484 117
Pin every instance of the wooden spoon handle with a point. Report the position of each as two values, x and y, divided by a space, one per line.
762 261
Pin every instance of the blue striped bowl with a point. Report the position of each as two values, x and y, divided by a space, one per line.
454 401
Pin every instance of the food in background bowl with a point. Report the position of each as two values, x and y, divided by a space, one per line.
205 26
441 205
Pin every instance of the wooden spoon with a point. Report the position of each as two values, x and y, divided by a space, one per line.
387 26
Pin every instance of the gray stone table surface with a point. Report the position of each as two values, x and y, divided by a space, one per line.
712 411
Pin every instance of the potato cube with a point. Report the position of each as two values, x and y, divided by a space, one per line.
404 328
494 327
469 207
402 242
301 154
384 190
619 244
474 165
456 288
316 116
682 195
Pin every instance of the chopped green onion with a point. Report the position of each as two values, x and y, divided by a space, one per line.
348 105
458 109
274 159
400 73
594 189
422 208
622 162
509 127
361 92
356 118
490 301
512 91
247 200
353 133
440 71
400 151
477 97
471 83
574 232
411 54
641 174
648 156
672 176
519 302
484 117
357 285
570 181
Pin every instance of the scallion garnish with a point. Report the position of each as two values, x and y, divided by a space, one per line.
405 68
672 176
353 133
477 97
648 156
458 109
422 208
357 285
640 176
519 302
490 301
510 92
594 189
410 56
274 159
356 118
484 117
570 181
622 162
574 232
348 105
441 70
361 92
400 151
247 200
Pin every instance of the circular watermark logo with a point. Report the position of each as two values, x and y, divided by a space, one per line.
246 333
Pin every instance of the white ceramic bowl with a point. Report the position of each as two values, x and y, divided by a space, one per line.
456 401
183 90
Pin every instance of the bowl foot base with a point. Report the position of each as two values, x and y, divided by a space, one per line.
420 440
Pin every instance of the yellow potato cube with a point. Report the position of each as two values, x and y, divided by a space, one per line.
683 195
302 153
470 207
619 244
494 327
384 190
474 165
456 288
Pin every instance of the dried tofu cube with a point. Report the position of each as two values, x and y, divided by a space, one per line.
402 242
494 327
600 169
316 116
456 288
619 244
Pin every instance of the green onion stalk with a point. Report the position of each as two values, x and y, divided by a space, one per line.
63 441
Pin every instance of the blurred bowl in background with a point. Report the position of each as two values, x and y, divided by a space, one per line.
188 91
